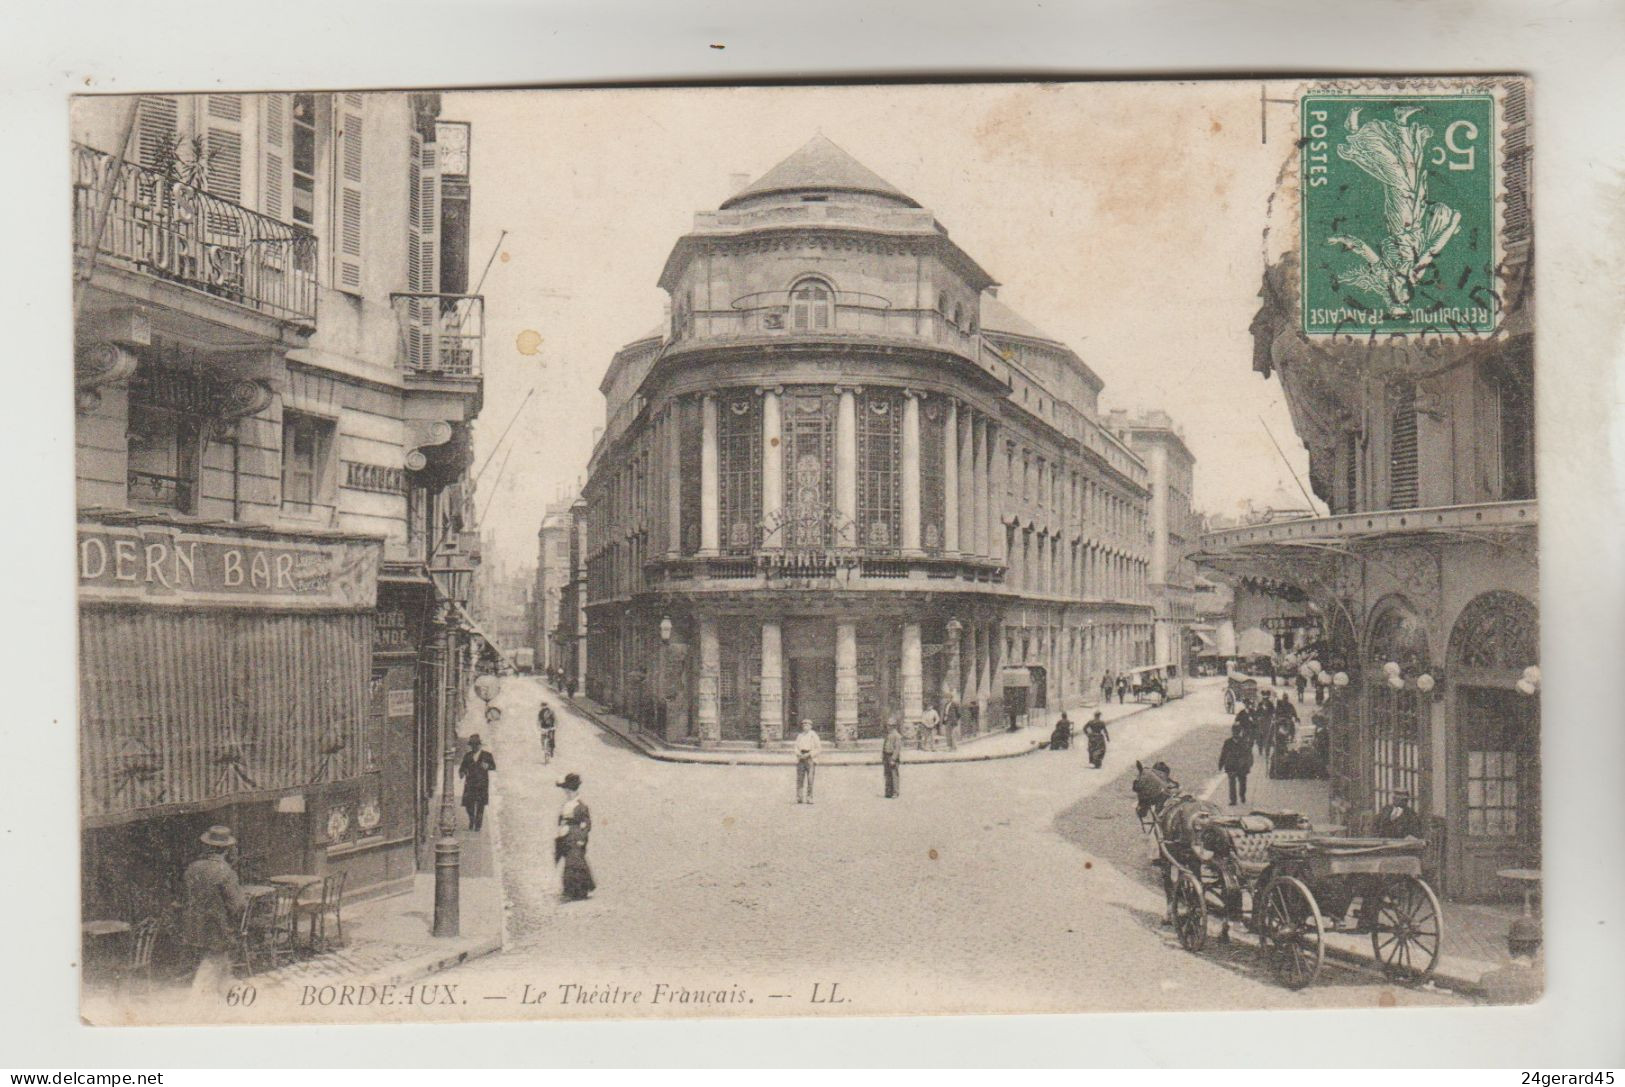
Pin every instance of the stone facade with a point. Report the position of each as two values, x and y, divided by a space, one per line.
853 482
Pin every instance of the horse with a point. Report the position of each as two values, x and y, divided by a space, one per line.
1189 835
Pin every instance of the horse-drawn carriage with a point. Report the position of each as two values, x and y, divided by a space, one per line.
1274 875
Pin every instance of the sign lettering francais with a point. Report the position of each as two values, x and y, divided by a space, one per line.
164 564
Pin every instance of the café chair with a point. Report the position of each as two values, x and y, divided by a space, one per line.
318 910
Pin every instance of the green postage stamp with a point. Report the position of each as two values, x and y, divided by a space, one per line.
1399 213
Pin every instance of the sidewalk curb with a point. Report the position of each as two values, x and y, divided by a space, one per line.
649 749
426 965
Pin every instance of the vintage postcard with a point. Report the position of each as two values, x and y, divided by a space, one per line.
806 551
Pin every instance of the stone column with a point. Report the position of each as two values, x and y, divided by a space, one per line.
952 682
846 682
995 497
772 483
950 479
984 677
910 469
982 486
912 669
846 469
708 709
772 684
674 481
967 483
972 661
710 513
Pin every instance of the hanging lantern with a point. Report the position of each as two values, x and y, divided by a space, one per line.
1396 683
1313 666
1341 679
1391 669
1525 687
1532 674
1424 683
1323 678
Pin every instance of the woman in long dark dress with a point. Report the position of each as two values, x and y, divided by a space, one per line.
570 846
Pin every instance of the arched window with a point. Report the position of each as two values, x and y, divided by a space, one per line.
942 303
1497 729
1397 763
959 316
812 305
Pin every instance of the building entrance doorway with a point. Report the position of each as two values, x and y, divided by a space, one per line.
812 694
1498 767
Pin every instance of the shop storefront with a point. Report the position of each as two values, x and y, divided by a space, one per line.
226 677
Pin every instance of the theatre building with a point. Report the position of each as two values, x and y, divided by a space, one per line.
277 369
844 481
1424 576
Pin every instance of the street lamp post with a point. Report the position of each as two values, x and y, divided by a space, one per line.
661 682
447 851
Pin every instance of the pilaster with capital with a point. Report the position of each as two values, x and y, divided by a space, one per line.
846 682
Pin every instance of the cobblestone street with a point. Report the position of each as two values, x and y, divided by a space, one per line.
1011 885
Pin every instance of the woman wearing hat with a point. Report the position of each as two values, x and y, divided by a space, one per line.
214 908
476 773
570 845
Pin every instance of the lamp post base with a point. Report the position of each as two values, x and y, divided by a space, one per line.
448 863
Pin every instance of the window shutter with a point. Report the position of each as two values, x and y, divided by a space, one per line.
1402 467
348 115
276 159
223 146
157 127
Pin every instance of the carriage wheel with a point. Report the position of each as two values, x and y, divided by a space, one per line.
1409 930
1190 912
1293 932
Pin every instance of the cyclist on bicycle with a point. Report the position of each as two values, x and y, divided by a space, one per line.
548 724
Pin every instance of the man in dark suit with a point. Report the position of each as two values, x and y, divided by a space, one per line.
212 913
1236 760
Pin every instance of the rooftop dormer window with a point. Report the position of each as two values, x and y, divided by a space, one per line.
812 305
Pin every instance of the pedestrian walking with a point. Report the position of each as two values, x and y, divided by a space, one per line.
1096 737
1302 683
950 722
570 843
930 720
808 746
548 725
1122 689
213 910
891 759
1236 760
476 770
1106 687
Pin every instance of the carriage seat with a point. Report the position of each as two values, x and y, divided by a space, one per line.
1251 837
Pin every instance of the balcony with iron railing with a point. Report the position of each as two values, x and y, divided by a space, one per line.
160 226
846 315
441 335
847 567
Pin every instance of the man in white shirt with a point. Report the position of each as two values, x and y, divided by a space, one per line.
808 745
929 720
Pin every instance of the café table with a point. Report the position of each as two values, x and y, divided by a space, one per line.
1529 878
100 941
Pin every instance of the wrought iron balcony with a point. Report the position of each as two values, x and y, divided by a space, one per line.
160 226
852 565
442 335
840 314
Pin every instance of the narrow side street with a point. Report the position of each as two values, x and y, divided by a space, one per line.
1014 885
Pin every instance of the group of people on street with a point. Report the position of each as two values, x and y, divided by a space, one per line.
1095 734
1269 726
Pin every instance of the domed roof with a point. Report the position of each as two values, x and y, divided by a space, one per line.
820 166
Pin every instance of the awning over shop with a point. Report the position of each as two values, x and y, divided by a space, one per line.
1206 642
184 710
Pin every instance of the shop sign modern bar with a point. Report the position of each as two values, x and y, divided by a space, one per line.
165 564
